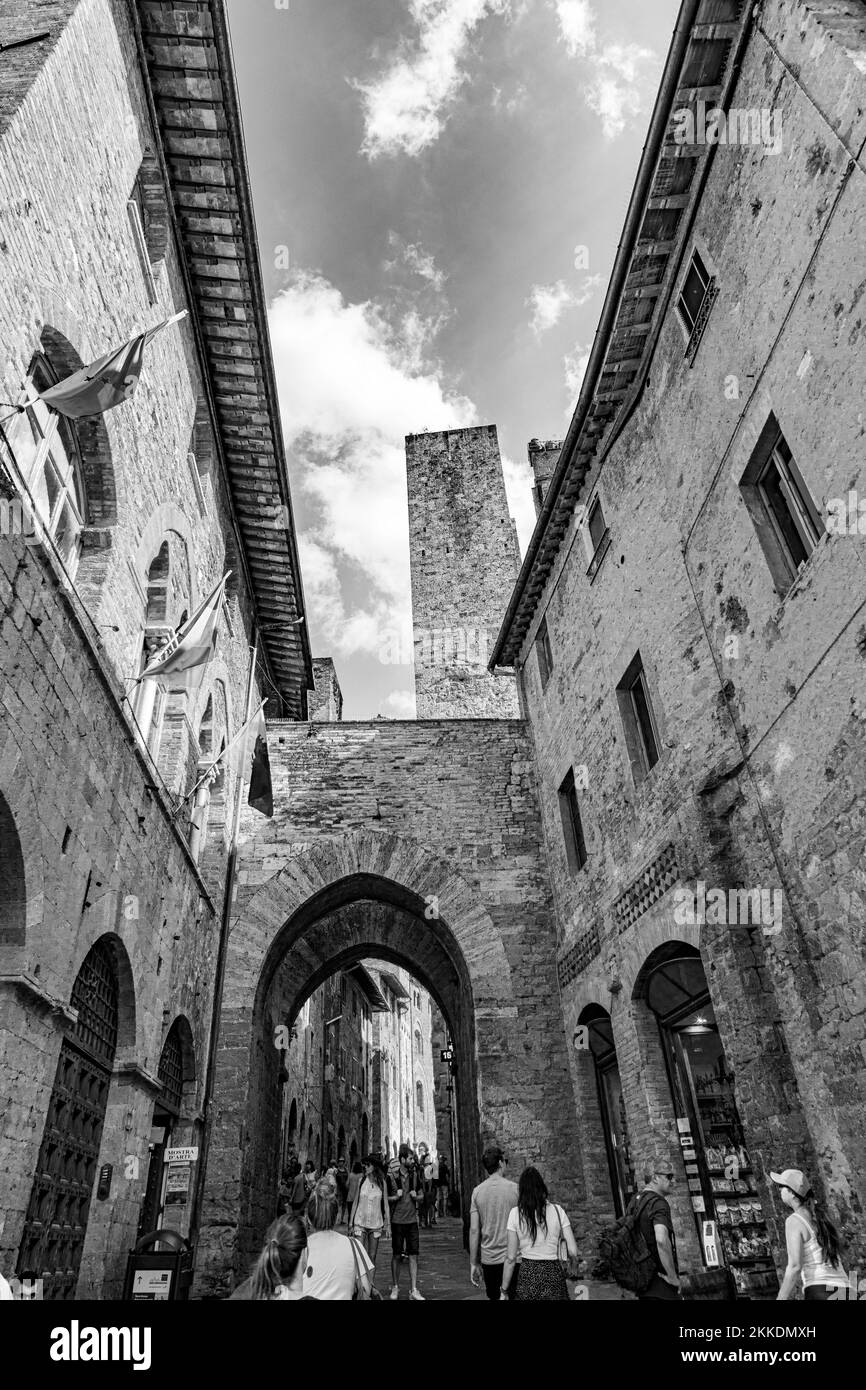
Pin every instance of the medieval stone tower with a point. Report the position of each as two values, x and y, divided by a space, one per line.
464 560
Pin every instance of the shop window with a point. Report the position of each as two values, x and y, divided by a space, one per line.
612 1106
572 825
718 1166
545 652
638 719
785 517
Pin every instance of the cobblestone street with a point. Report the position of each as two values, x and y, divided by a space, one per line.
443 1269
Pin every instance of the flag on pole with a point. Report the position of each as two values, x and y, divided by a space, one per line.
261 795
106 383
194 642
247 754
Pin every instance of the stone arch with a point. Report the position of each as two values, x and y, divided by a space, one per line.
21 859
340 900
130 1045
165 518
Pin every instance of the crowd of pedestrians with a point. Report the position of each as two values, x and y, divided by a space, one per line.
521 1243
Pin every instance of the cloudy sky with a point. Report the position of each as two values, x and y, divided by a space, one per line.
440 187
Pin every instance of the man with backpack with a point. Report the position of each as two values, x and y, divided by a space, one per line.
641 1249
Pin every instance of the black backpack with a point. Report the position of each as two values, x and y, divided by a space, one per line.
625 1251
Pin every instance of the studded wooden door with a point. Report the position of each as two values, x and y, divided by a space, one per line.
56 1223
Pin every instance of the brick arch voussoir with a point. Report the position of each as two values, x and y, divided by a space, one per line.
658 932
168 516
310 868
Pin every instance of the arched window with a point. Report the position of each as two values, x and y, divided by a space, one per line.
46 450
13 893
418 1041
419 1096
148 219
150 699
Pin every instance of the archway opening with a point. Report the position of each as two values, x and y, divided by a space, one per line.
13 891
358 919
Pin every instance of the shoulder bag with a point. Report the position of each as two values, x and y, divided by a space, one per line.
360 1294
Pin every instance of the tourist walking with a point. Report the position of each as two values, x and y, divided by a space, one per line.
369 1214
657 1228
431 1190
405 1190
341 1177
355 1179
299 1192
310 1175
814 1248
492 1202
442 1186
338 1267
537 1230
278 1273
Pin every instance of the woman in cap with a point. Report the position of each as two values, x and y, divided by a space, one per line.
813 1241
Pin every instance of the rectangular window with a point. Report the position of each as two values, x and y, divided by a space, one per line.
545 653
638 720
693 291
137 221
785 517
597 527
572 826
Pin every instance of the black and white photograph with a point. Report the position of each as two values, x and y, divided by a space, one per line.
432 675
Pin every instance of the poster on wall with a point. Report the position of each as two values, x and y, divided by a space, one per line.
177 1183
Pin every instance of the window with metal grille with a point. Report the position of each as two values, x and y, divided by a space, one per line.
170 1072
693 291
94 995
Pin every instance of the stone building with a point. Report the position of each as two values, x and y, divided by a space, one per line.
688 627
632 903
403 1109
123 199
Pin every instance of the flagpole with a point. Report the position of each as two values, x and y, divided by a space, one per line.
222 950
222 754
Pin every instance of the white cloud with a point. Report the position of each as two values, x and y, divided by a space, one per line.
622 74
575 364
577 25
424 265
549 302
405 107
351 388
400 704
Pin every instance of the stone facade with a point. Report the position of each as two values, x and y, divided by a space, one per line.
463 555
402 1063
102 867
755 679
418 843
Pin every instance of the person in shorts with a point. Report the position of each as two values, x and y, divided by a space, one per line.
405 1190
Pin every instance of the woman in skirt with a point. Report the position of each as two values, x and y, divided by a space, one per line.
537 1231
